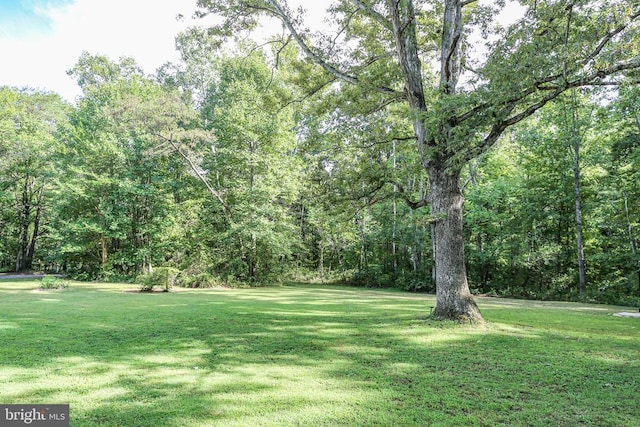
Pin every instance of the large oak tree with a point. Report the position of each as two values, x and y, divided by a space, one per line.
463 78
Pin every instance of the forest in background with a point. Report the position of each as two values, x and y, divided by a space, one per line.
224 168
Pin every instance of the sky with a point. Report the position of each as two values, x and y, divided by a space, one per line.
41 39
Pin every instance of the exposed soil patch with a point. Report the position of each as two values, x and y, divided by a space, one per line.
138 291
627 314
156 291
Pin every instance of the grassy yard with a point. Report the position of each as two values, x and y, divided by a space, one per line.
313 356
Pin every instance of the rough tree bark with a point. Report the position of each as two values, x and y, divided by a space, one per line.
453 298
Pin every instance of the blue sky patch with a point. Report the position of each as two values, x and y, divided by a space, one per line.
25 18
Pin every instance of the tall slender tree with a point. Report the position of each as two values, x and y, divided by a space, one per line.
575 127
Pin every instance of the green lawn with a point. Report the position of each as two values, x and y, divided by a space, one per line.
313 356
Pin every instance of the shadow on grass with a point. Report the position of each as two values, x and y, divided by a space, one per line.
307 356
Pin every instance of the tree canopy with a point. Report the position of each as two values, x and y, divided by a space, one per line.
419 54
346 153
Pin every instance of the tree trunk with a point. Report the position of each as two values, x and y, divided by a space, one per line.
321 260
25 214
575 142
36 230
104 253
632 240
364 260
582 276
253 264
453 298
394 227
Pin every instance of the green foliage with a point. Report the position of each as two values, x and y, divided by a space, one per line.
117 199
251 172
53 282
223 168
30 123
520 212
385 72
196 280
164 277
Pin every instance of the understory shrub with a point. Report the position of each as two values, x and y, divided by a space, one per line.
376 277
52 282
208 280
414 281
196 280
164 277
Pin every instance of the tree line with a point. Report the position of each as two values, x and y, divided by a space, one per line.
305 159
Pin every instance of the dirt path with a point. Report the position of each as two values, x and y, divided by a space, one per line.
14 276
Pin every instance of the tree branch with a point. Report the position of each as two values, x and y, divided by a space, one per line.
286 20
608 37
311 93
386 141
369 11
544 84
198 173
589 80
407 200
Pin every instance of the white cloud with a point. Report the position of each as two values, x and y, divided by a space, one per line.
142 29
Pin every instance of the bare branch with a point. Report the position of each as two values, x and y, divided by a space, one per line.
387 141
311 93
450 58
558 81
403 22
387 102
588 80
369 11
405 196
473 170
342 30
591 79
197 171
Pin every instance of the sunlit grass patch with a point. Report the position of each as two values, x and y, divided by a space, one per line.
312 355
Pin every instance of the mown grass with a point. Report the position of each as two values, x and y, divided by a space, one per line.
305 355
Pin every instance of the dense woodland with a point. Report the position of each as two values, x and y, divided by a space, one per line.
252 165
